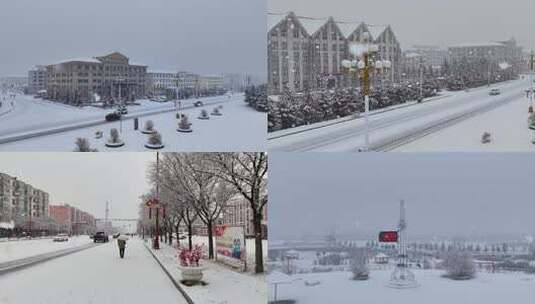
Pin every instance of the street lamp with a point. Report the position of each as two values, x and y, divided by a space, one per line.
362 52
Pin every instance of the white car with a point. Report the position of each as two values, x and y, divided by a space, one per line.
494 92
62 237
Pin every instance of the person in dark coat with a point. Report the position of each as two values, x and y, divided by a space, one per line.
122 245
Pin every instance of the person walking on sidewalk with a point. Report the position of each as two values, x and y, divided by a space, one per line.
121 242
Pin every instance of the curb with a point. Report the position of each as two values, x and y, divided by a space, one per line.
16 265
175 283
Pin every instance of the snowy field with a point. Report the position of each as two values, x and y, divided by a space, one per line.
240 128
95 275
14 250
507 124
336 287
224 284
394 125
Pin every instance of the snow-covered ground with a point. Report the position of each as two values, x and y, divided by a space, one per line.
224 284
395 125
240 128
507 124
336 287
95 275
19 249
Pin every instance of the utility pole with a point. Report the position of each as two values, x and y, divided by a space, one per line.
531 63
107 217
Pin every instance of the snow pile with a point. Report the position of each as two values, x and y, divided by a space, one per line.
14 250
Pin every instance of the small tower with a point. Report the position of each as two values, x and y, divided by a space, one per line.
402 277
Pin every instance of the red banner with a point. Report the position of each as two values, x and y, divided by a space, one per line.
388 236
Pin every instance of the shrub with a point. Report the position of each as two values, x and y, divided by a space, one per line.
155 139
114 135
459 265
82 145
149 125
359 265
184 123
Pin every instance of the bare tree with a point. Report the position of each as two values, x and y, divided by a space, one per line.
247 173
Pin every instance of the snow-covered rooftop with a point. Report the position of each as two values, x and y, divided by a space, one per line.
312 25
274 19
376 30
478 44
347 28
87 60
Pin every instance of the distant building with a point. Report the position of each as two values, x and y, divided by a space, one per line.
210 82
73 220
160 81
307 52
37 80
239 213
496 52
110 77
187 80
22 203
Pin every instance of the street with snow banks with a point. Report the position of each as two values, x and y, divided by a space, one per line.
337 287
95 275
39 125
454 121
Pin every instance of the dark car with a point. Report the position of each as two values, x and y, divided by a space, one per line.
113 116
198 103
100 237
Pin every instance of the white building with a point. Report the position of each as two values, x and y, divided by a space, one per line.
208 82
306 52
161 80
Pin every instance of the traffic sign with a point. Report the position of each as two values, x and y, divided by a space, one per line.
388 236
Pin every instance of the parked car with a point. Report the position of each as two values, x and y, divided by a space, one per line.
494 92
100 236
62 237
198 103
113 116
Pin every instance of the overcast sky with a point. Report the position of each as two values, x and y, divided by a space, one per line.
85 180
457 195
438 22
205 36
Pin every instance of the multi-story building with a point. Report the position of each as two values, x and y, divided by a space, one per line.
209 82
21 203
187 80
307 52
239 213
73 220
110 78
37 79
159 82
493 52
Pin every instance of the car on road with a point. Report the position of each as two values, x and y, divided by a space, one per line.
494 92
62 237
100 236
113 116
122 110
198 103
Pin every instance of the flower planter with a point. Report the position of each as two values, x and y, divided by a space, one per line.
191 274
216 114
114 145
148 131
184 130
154 147
204 117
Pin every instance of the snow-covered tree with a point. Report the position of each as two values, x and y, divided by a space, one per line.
359 265
83 145
459 265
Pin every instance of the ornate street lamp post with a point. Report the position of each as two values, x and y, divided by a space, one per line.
363 53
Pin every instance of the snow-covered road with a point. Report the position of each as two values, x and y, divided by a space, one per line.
397 125
240 128
95 275
18 249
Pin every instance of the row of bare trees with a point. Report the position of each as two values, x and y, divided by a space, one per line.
197 187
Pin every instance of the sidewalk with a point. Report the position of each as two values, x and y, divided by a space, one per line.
224 285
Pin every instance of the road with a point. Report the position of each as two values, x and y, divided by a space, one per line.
95 275
393 128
